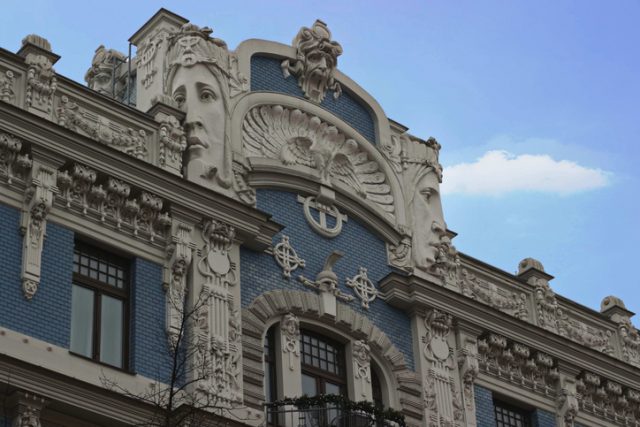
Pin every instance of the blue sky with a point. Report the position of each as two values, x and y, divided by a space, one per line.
536 105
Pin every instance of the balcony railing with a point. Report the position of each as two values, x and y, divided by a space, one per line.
329 411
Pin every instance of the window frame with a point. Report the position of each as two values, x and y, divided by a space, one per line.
526 414
323 376
100 289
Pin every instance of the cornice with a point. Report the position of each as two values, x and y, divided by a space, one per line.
413 294
58 145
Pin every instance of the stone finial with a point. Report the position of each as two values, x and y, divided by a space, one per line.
614 308
529 263
38 41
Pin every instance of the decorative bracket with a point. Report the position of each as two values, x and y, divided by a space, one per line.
363 287
38 202
287 257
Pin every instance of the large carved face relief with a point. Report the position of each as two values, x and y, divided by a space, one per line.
427 219
198 92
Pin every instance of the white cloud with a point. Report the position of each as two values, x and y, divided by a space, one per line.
499 172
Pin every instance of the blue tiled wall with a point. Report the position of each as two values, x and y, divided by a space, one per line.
149 355
542 418
260 273
266 75
485 413
47 316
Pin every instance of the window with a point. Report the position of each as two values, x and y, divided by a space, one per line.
323 367
270 378
510 416
100 294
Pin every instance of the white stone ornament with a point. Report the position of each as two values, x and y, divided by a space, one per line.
321 225
363 287
287 257
362 365
290 327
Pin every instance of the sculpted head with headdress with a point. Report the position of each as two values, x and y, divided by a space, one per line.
198 80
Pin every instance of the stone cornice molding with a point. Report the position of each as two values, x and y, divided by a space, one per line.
415 294
59 146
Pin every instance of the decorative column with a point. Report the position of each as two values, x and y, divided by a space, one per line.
466 340
26 408
288 361
360 372
38 201
438 369
567 406
216 365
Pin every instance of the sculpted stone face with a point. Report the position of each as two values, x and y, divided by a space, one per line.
198 92
428 220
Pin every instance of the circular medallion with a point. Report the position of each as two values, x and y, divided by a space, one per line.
218 262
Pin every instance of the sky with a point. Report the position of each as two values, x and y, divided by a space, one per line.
536 106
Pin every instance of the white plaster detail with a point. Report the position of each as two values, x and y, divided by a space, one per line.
38 203
363 287
321 225
245 194
290 330
103 74
507 301
567 406
326 284
287 257
202 77
146 59
301 140
126 139
41 78
179 256
217 323
173 142
362 366
315 63
442 399
26 409
7 90
12 163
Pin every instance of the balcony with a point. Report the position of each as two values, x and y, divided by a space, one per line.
329 411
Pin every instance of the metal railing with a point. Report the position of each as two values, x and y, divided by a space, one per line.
329 415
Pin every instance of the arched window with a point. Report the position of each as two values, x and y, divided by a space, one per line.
323 365
376 387
270 375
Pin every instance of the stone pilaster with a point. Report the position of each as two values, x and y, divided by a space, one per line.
467 351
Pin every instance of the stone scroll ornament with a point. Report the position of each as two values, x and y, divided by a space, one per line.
216 329
202 76
296 138
38 203
315 63
290 329
362 364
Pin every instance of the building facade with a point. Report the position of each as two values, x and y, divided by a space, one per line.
198 231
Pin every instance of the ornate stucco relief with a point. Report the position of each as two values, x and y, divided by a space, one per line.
216 330
7 85
326 284
103 74
507 301
41 78
202 77
315 63
131 141
362 367
12 163
108 201
517 363
363 287
38 202
608 399
442 397
26 408
179 256
290 330
296 138
287 257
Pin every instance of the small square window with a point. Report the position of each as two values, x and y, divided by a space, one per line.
511 416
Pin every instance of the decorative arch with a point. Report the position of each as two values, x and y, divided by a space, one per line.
272 305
